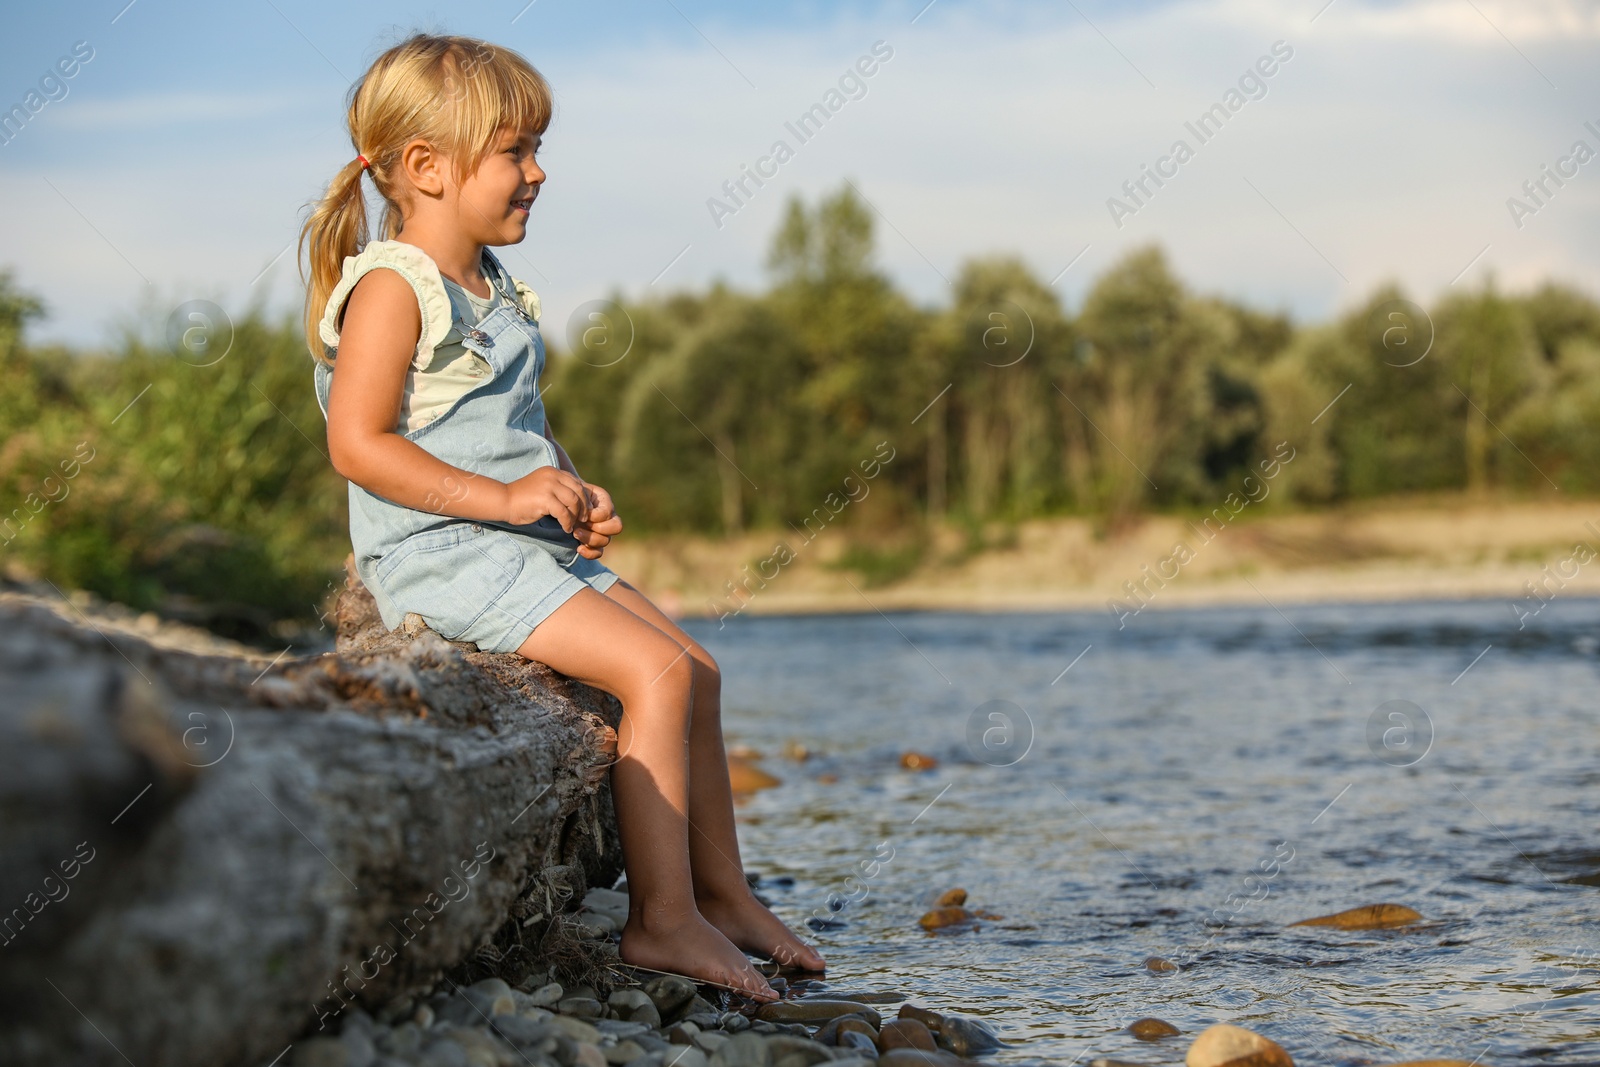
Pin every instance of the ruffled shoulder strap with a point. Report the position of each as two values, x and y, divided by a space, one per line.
417 268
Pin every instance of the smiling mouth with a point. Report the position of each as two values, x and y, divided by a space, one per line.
523 205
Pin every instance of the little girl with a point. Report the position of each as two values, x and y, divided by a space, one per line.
465 510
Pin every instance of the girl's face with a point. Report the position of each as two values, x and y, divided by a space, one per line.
493 204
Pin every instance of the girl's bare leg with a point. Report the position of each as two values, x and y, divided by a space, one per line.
600 642
720 890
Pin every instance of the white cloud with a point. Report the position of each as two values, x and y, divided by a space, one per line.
164 109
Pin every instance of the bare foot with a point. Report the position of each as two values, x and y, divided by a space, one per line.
693 947
750 924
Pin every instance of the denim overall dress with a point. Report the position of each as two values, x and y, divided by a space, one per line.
479 581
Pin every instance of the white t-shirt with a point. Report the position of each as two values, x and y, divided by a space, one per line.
442 368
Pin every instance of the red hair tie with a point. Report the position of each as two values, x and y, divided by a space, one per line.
363 161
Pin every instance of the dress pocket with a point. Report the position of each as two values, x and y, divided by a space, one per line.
450 576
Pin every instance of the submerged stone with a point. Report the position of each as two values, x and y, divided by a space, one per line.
1370 917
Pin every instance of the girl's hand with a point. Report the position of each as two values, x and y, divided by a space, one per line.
548 491
603 523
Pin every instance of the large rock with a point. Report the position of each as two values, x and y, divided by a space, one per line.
209 856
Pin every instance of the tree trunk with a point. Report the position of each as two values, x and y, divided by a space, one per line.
207 855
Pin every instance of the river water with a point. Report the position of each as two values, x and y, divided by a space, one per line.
1186 787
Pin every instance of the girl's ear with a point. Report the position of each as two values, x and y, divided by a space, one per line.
424 167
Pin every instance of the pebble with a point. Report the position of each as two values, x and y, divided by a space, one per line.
918 761
492 996
635 1005
621 1028
576 1028
682 1033
583 1007
815 1011
1159 966
610 903
966 1036
1370 917
1223 1045
481 1047
951 898
931 1019
742 1050
589 1056
685 1056
905 1033
668 993
711 1040
1152 1029
833 1028
623 1052
939 918
547 995
733 1022
746 777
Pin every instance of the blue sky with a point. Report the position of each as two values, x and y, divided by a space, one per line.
181 158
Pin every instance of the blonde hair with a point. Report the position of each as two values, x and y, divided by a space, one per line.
456 93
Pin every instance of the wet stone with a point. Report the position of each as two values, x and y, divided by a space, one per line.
931 1019
1370 917
815 1011
905 1033
966 1036
829 1032
1152 1029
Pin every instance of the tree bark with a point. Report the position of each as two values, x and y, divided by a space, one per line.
207 855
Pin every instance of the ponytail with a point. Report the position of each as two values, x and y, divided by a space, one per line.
336 228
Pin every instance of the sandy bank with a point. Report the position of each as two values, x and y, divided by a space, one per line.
1432 548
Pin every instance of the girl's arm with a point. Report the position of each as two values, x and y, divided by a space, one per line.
381 325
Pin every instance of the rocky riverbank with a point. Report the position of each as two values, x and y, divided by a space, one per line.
647 1020
661 1020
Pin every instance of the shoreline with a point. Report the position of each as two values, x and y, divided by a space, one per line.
1426 549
